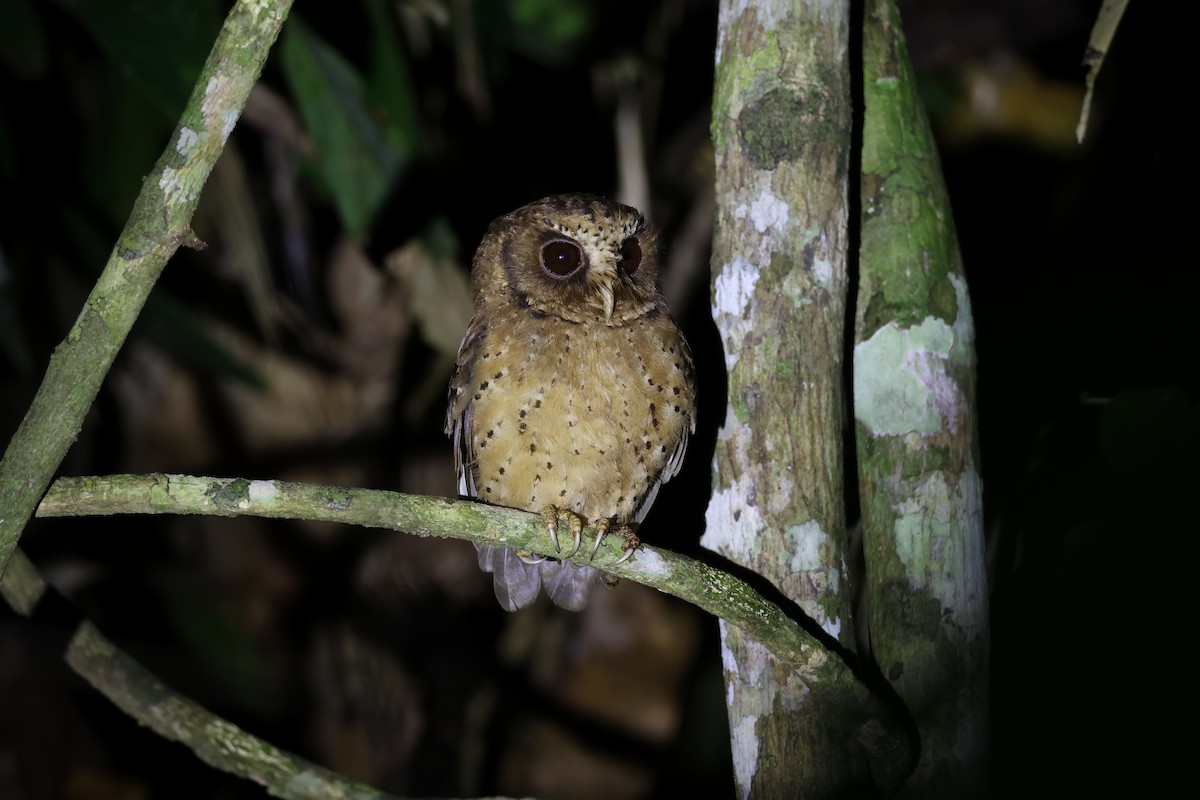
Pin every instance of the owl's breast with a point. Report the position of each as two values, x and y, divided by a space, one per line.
584 417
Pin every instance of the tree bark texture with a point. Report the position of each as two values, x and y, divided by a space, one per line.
782 132
914 400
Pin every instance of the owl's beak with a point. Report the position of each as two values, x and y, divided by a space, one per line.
606 295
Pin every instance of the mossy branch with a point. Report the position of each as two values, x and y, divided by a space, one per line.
159 223
711 589
137 692
223 745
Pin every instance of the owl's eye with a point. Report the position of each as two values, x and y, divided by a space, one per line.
561 258
631 255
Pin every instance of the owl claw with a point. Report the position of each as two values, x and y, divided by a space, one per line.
552 515
577 539
529 558
628 555
602 526
632 543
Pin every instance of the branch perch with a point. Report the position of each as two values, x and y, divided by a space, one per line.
717 592
709 588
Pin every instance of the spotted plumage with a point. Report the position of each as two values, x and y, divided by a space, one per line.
574 390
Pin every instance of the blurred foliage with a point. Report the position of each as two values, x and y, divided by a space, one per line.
384 137
158 44
357 160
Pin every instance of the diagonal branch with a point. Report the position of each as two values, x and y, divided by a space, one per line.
159 224
137 692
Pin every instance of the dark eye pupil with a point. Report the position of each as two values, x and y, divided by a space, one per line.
631 255
561 258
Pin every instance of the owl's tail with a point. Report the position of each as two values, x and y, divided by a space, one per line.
517 582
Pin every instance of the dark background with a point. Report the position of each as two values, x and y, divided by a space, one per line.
385 657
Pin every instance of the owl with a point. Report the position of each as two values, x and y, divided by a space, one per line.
574 392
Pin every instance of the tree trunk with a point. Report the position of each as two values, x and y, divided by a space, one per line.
781 129
782 133
914 409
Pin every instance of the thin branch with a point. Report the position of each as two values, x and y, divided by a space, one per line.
137 692
216 741
158 225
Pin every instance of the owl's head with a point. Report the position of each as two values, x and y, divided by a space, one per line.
579 257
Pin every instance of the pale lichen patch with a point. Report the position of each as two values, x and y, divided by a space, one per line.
745 753
766 212
187 141
175 185
652 564
732 524
733 295
901 383
263 491
936 535
811 548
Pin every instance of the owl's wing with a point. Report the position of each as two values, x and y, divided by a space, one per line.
458 409
675 461
516 582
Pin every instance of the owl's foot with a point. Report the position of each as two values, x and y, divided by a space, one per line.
632 542
529 558
553 515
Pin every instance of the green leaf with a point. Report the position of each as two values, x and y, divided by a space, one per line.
159 44
549 31
389 82
355 159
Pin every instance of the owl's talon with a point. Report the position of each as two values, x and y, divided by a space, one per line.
550 515
632 543
530 558
602 526
628 555
553 515
577 539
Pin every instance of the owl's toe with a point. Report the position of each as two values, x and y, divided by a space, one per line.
529 558
632 543
602 526
552 516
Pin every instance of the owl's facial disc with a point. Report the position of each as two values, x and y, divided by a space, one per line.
565 259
